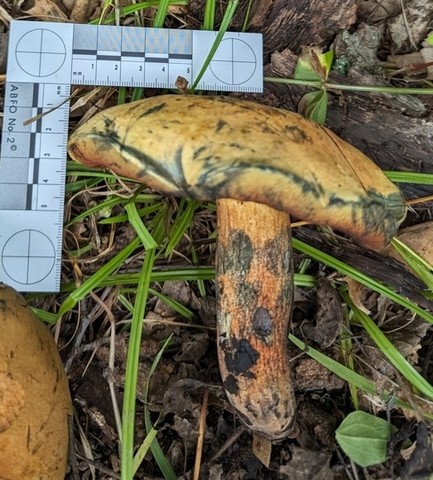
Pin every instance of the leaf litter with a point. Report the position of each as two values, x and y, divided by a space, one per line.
189 364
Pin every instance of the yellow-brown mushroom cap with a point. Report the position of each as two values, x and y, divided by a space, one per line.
220 147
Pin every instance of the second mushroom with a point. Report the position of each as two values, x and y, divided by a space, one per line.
261 164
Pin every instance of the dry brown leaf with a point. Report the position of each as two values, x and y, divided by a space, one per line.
406 335
262 449
177 291
81 10
310 375
87 99
328 317
47 10
307 465
407 452
355 290
419 238
95 106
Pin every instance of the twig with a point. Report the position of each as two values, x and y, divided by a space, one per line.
200 439
406 24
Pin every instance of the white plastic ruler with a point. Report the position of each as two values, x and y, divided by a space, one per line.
44 60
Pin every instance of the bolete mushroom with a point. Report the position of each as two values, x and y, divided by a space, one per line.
34 395
261 164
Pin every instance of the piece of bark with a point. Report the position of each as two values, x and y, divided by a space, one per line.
407 105
285 23
296 23
373 264
394 141
408 29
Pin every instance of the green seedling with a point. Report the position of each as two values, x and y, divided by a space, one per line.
364 438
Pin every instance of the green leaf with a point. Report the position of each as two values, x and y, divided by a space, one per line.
327 59
429 38
313 65
314 106
364 438
305 71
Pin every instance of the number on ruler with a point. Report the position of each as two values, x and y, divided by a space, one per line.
11 140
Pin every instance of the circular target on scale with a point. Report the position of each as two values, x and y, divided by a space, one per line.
28 257
40 52
234 62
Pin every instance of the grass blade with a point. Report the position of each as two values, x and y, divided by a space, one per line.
157 452
367 386
135 8
209 15
190 274
227 19
422 268
390 352
97 279
158 21
144 448
361 278
247 16
410 177
183 220
134 218
130 392
340 370
106 205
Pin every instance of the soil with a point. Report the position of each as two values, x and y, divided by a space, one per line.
397 133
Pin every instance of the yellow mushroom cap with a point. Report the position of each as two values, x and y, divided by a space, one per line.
221 147
35 403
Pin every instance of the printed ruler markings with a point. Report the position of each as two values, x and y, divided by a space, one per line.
33 138
45 59
33 266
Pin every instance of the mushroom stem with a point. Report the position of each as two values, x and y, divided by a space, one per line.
254 270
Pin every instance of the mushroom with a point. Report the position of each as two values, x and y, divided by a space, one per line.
34 396
262 165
